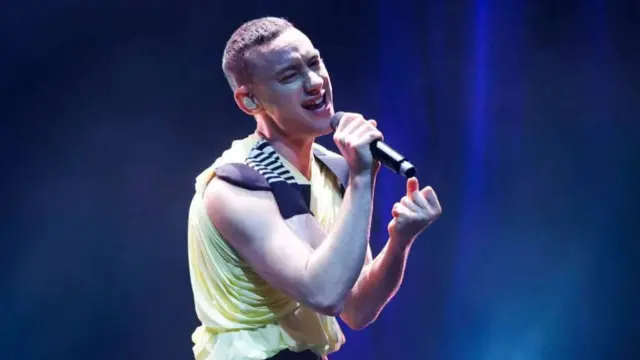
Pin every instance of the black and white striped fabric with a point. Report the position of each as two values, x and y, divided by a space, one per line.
264 159
263 170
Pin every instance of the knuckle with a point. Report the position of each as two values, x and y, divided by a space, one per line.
350 141
345 121
373 134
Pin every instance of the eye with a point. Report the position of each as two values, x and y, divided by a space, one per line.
315 61
289 77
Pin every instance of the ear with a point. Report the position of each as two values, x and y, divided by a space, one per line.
246 101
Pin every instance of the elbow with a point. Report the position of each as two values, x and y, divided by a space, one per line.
357 326
328 305
331 309
355 322
326 298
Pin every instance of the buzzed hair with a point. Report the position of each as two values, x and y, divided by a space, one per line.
249 35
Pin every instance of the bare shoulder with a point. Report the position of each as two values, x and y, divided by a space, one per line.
221 194
250 221
237 212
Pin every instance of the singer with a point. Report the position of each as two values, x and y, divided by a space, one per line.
278 231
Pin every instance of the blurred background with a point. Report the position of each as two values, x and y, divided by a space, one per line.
523 115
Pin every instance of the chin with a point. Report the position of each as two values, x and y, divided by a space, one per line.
325 131
321 126
315 132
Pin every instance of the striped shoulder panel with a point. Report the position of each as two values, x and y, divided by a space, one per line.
264 159
243 176
292 197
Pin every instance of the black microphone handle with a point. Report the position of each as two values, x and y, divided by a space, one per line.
392 159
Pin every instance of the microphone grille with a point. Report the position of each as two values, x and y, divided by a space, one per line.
335 119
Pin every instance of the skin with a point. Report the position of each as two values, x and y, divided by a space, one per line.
335 275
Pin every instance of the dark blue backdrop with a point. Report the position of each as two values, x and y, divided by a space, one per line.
522 114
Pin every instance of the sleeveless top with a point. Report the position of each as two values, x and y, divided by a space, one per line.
241 315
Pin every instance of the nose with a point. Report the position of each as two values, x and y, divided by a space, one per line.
314 83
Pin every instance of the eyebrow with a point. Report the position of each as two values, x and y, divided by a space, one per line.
295 65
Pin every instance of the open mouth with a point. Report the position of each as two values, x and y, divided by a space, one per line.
316 105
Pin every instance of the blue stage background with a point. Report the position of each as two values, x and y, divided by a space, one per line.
523 115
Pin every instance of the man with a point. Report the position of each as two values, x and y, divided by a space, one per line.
279 226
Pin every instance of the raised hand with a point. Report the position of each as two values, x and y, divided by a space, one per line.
413 213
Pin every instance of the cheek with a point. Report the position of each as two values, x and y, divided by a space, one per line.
327 81
324 73
286 98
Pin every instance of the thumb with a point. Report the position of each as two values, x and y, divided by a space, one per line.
412 185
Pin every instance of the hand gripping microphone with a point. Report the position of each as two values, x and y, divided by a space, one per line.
384 153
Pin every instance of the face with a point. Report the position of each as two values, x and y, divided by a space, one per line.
292 85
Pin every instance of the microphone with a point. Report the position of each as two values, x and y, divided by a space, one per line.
383 153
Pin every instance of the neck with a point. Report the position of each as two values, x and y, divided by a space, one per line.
297 151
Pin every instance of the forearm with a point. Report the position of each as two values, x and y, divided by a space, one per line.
378 283
334 267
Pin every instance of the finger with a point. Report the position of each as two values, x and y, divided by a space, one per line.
368 136
349 122
394 210
430 195
354 122
400 210
344 121
418 198
412 185
409 204
339 135
375 125
363 128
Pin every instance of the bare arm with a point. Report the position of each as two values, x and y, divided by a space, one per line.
378 283
381 279
322 278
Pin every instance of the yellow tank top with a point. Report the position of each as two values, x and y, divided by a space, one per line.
241 316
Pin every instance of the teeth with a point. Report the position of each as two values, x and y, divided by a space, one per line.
316 102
